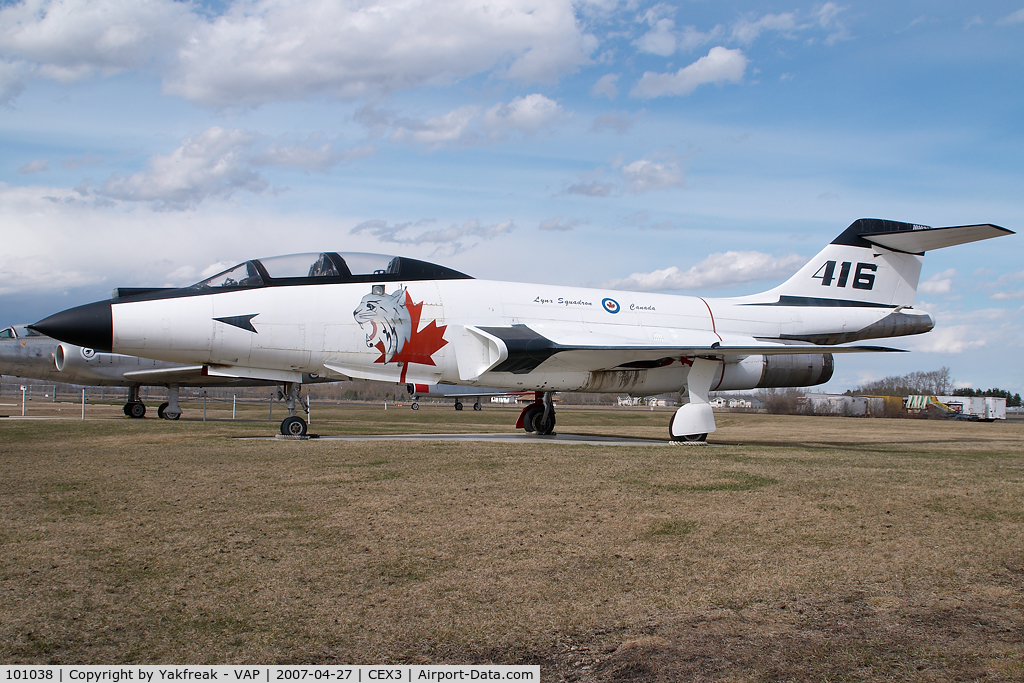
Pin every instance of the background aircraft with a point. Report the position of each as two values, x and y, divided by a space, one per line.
281 318
29 354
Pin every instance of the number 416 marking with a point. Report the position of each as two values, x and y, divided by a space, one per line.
863 277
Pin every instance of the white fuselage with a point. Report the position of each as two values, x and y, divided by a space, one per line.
331 330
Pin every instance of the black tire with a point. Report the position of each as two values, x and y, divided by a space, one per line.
540 426
161 409
293 426
528 416
415 406
694 438
477 406
136 409
127 410
458 405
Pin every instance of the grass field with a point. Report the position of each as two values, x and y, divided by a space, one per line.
793 548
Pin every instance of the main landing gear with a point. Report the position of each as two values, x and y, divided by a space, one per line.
169 409
539 416
293 425
134 408
693 421
476 406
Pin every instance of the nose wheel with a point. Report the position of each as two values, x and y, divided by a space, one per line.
293 425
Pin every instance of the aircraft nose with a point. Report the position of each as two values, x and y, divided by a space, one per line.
90 326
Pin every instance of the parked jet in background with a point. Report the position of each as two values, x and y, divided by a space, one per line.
333 315
29 354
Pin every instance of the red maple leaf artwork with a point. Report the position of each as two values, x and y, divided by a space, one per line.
421 345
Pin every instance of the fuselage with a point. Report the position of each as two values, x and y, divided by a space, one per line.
342 330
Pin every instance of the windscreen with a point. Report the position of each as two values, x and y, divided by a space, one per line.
242 275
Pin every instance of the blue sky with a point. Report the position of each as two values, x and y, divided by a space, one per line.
712 147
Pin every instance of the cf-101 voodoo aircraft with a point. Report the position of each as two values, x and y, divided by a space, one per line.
29 354
394 319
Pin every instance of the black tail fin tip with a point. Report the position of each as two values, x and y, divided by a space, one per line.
853 235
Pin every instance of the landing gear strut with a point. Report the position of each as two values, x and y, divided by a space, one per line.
693 421
539 416
169 409
293 425
134 408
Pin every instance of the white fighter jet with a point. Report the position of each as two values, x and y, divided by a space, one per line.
394 319
29 354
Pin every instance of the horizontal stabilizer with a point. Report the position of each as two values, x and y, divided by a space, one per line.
926 239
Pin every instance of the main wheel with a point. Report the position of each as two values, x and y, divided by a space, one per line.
415 406
293 426
540 425
136 409
691 438
531 413
687 438
458 405
165 414
477 406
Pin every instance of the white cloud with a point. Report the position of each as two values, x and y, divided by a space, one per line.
657 171
260 51
452 239
947 339
717 270
660 40
940 283
291 49
1013 18
315 156
828 18
593 188
217 162
746 31
35 166
11 81
618 121
606 86
436 131
645 175
718 66
527 114
469 125
71 39
214 163
556 224
1007 295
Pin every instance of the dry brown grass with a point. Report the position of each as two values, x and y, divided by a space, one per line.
796 548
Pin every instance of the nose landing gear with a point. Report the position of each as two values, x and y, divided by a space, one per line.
293 425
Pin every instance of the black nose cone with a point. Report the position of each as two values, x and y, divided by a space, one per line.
90 326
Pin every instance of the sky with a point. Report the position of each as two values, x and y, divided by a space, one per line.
694 147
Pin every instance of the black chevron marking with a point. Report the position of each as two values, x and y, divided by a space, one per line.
242 322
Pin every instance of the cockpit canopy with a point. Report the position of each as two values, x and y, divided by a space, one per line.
17 331
327 267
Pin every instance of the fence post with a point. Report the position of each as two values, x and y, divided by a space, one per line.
83 404
234 403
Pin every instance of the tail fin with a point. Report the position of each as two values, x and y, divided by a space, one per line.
876 262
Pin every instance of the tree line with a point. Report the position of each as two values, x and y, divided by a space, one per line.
933 383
